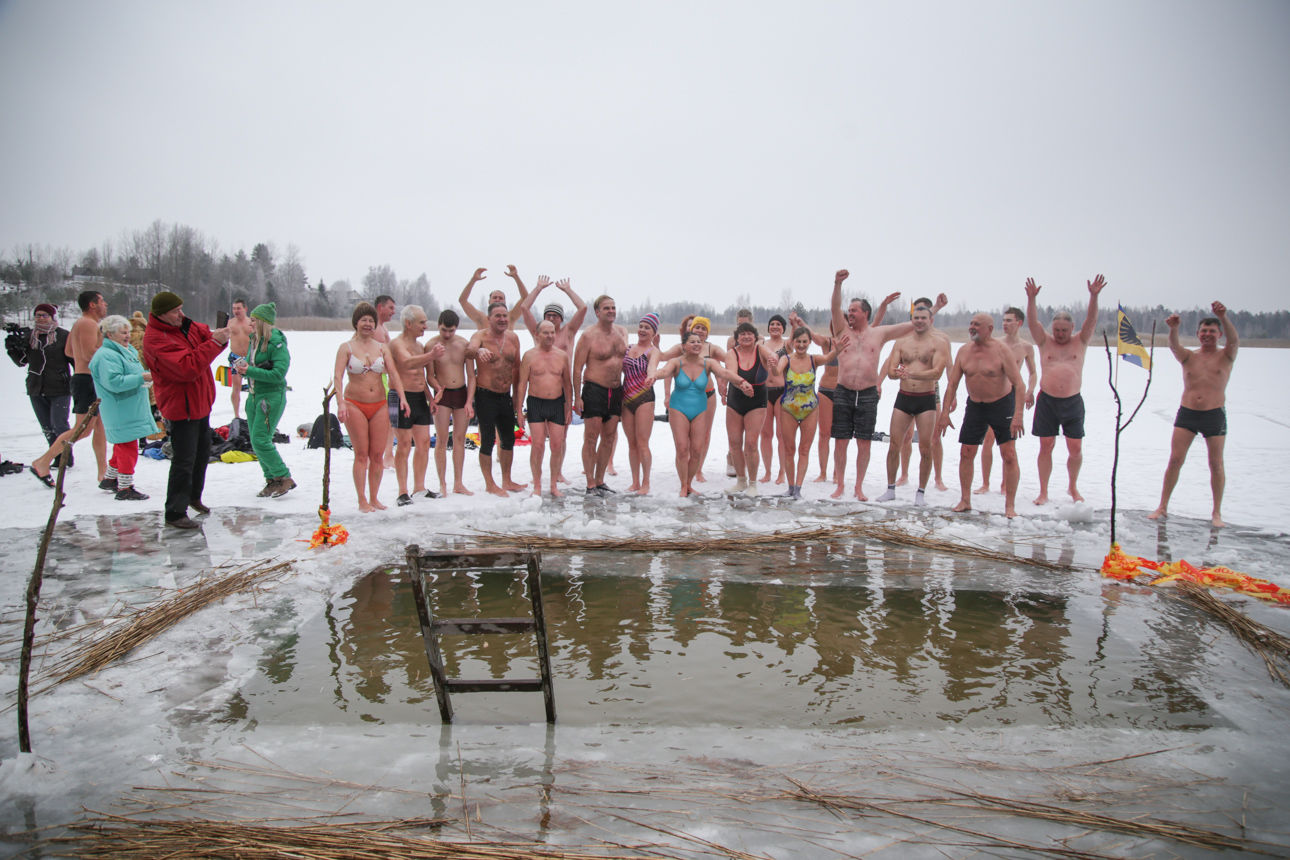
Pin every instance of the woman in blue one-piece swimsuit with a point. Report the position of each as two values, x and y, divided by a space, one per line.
689 401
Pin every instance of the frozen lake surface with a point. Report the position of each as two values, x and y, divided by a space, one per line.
691 688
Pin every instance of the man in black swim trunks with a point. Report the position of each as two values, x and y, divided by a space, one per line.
598 380
412 431
855 399
546 390
1205 375
993 380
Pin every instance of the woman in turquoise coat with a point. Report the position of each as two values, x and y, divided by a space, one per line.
265 366
122 386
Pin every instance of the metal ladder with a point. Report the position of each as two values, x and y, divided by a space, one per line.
423 564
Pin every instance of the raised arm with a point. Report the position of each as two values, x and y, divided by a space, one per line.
464 299
1090 319
881 313
839 322
1175 345
1037 333
1230 340
580 307
839 344
525 305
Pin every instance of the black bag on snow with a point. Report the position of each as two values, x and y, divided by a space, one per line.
316 434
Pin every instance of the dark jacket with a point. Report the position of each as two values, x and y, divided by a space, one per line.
180 360
49 368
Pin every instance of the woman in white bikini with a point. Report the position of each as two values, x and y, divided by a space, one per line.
362 361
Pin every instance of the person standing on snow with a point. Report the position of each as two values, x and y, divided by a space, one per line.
265 365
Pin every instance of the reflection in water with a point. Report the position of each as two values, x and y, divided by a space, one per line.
851 633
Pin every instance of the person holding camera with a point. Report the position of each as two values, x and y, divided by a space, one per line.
179 352
42 349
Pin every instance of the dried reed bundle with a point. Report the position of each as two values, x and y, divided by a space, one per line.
118 836
152 620
728 542
1145 828
1267 643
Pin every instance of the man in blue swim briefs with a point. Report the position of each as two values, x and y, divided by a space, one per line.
855 398
1205 375
993 379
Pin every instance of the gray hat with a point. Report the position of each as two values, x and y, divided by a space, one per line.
554 308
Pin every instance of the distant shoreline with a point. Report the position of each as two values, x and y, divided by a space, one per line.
722 330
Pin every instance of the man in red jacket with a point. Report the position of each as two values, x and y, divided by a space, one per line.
179 352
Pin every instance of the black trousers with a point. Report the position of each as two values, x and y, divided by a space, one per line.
190 442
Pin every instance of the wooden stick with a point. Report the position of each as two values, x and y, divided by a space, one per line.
37 579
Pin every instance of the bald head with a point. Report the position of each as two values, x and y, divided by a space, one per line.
981 327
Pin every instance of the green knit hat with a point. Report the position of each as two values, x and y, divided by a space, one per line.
267 312
165 302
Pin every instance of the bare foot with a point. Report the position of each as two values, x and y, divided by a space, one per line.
495 490
513 487
460 489
365 508
685 491
1076 496
556 494
1009 511
764 479
902 480
537 489
1217 522
644 489
443 490
836 494
1041 499
981 490
377 505
780 479
700 478
940 485
634 487
822 479
963 505
611 470
561 479
1158 513
860 495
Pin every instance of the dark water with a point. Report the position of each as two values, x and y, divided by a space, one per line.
850 634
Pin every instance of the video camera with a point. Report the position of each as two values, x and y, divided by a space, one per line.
19 336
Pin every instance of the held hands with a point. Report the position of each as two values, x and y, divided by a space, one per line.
1032 289
240 366
1095 286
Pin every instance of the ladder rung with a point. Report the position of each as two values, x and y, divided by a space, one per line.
494 685
449 626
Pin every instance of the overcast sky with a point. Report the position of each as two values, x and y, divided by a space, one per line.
673 150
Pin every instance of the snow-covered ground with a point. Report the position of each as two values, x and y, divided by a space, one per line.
1142 675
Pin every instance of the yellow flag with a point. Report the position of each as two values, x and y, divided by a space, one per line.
1128 345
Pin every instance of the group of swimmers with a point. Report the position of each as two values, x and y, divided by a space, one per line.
774 389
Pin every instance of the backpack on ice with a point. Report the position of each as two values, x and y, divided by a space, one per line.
316 434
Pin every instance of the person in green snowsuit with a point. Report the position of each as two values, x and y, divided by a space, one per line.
265 365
